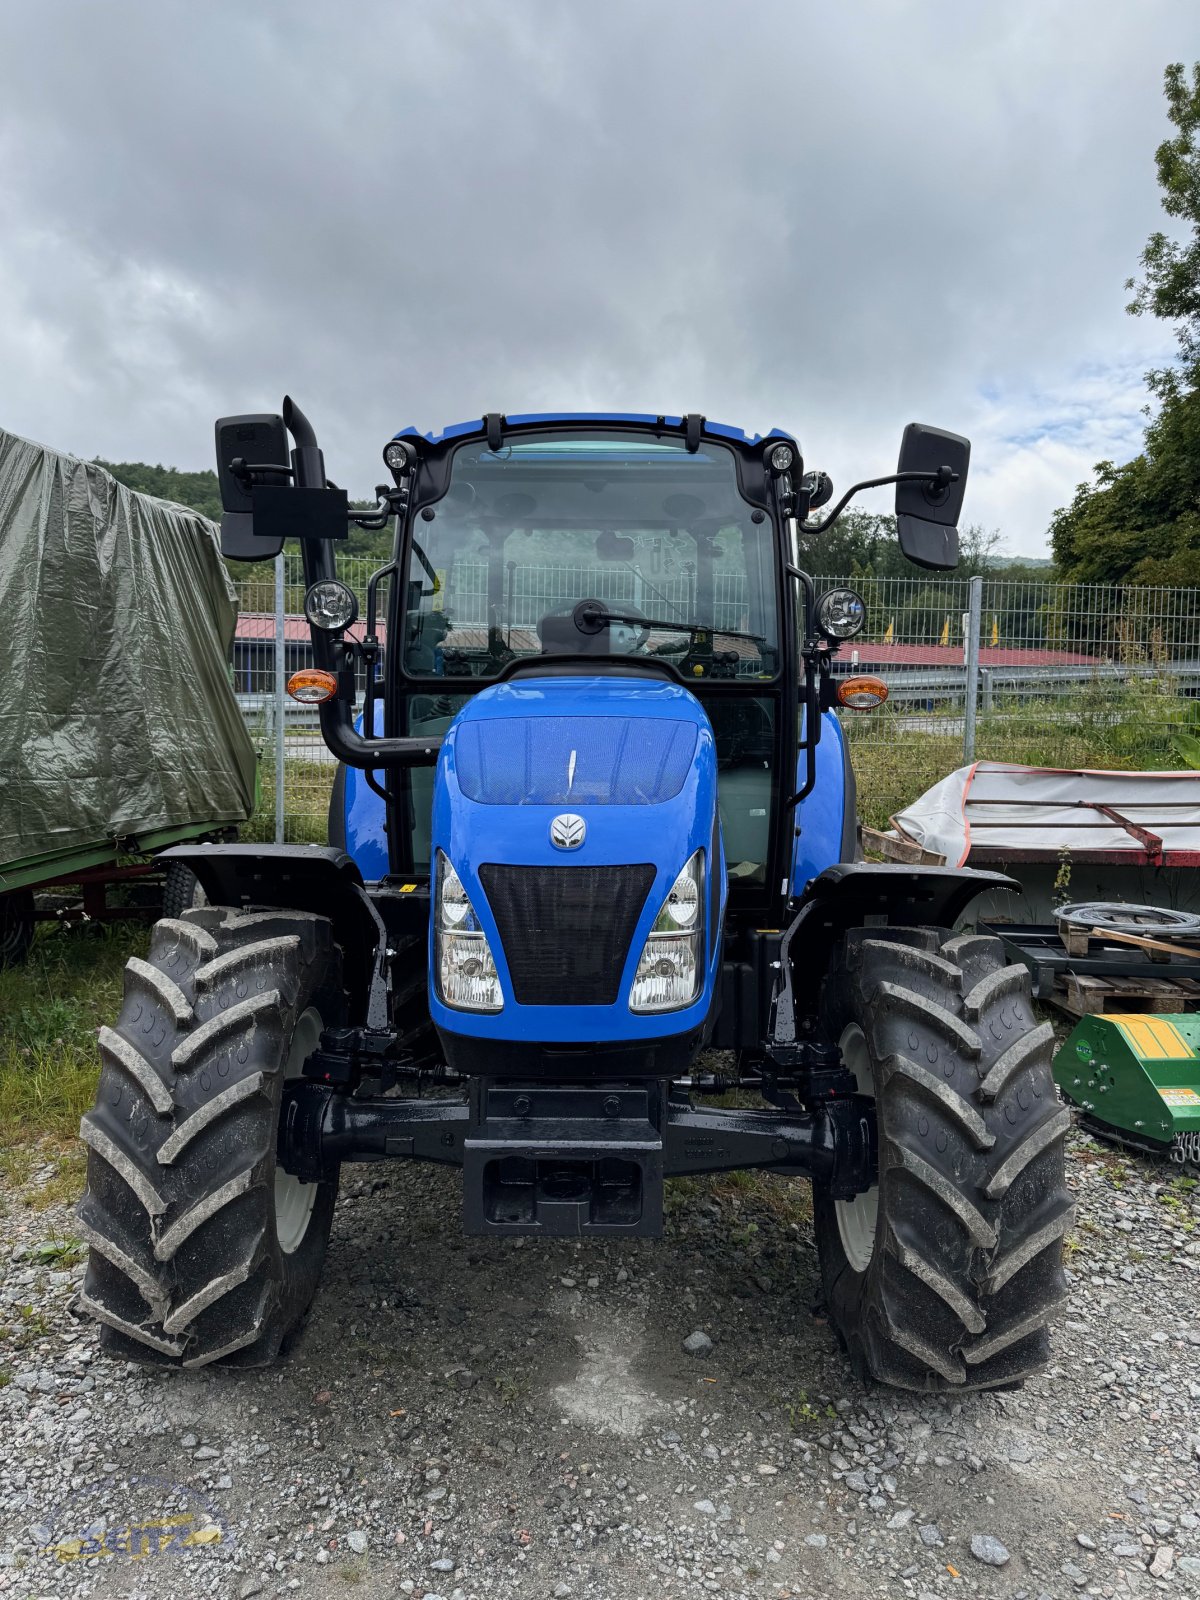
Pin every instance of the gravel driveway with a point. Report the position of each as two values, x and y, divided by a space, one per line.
469 1418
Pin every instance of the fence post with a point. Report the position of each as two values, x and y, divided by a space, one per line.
971 685
280 695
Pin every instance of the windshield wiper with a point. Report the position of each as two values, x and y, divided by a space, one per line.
597 614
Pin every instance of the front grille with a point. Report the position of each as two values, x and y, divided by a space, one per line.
566 930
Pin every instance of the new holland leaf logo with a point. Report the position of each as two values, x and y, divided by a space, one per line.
567 831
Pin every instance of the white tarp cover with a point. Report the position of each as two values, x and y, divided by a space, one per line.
992 804
117 715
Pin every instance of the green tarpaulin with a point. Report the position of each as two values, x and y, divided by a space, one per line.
117 715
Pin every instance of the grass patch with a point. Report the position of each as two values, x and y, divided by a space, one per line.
66 1184
50 1009
900 751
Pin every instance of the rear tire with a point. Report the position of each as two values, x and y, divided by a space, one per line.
202 1249
946 1275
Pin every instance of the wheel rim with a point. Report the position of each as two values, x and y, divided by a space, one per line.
858 1219
294 1200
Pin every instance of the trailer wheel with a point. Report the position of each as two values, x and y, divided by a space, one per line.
946 1274
16 926
181 890
201 1248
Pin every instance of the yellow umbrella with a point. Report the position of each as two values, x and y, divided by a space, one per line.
890 636
995 631
946 631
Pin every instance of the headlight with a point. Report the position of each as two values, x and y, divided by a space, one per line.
841 613
330 605
669 971
466 968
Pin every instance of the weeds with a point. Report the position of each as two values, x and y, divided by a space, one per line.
50 1009
31 1326
510 1388
802 1410
54 1252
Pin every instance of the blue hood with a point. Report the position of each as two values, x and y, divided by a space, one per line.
634 757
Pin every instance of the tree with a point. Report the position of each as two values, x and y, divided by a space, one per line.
195 489
200 491
863 544
1171 286
1140 523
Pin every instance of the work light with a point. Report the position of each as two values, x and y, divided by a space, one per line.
781 457
841 613
668 973
330 605
395 456
466 968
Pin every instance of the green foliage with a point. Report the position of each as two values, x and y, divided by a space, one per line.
50 1008
199 490
1140 523
1170 288
195 489
862 544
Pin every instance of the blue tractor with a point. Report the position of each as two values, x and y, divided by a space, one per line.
594 816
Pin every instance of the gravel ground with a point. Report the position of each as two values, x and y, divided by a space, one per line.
466 1418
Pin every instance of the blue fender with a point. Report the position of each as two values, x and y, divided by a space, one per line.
357 820
826 818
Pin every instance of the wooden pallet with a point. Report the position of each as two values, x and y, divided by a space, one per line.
1082 996
894 847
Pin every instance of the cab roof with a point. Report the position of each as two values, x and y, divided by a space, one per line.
639 419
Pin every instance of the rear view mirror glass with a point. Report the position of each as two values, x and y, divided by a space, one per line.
927 513
258 440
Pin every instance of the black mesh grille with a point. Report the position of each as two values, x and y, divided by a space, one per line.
566 930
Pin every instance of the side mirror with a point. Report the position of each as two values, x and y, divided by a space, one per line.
926 513
258 440
259 514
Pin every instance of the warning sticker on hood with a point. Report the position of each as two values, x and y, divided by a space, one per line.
1180 1097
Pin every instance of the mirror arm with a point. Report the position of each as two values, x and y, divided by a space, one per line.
939 479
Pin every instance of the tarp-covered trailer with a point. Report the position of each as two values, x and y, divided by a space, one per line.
119 730
1065 834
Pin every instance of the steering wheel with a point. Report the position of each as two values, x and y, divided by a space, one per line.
632 636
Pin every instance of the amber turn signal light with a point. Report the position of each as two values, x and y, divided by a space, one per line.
862 694
311 686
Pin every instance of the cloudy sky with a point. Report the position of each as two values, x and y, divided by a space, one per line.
833 218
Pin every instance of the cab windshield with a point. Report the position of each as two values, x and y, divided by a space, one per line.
678 566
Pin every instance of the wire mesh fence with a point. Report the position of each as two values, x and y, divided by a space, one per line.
1068 675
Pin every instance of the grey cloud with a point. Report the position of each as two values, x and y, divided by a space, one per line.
831 218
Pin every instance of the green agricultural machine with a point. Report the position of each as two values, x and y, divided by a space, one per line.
1136 1079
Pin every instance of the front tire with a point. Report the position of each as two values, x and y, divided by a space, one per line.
945 1275
201 1248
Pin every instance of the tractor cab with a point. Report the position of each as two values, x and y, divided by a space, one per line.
588 548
